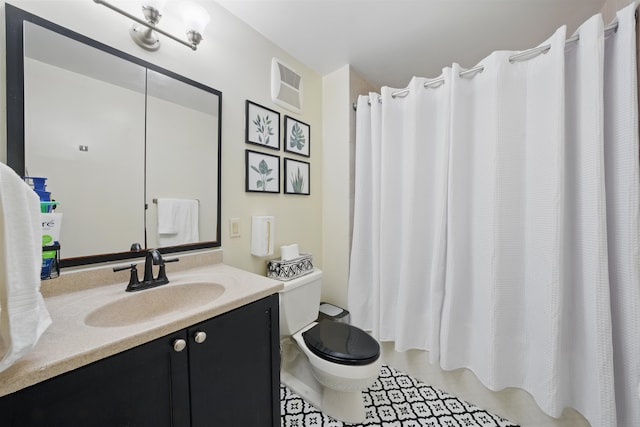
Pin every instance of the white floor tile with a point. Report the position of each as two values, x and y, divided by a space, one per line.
513 404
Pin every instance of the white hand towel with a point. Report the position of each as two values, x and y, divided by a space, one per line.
177 221
23 314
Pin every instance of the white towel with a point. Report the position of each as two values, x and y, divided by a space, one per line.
23 314
177 221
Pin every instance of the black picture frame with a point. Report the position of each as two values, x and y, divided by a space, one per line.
262 126
297 177
258 172
297 137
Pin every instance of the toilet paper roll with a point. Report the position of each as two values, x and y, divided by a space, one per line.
289 252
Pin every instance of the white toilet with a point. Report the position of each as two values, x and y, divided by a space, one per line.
328 364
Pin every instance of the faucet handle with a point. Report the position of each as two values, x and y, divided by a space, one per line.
134 282
162 273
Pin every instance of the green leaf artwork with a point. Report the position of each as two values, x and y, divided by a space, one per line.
297 181
263 128
297 137
264 172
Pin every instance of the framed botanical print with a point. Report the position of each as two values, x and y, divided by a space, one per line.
262 126
296 177
262 172
297 137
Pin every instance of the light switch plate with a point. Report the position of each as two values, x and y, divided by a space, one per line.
234 227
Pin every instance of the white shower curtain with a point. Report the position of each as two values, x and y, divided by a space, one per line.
502 312
496 222
623 209
400 202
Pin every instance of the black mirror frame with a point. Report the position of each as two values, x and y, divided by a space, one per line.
14 21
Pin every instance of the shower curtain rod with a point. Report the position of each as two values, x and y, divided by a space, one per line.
525 54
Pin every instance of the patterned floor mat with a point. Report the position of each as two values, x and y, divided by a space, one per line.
395 400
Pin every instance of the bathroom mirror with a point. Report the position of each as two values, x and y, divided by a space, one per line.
113 135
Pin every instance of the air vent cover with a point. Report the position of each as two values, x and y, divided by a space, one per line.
286 86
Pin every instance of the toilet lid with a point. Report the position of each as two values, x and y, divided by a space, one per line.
341 343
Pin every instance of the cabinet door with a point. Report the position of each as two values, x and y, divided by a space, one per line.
235 372
144 386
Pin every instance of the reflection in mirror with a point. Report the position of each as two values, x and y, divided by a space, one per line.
84 132
92 121
181 160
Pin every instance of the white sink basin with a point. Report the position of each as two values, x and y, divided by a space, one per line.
149 304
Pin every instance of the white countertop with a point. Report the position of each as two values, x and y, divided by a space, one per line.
69 343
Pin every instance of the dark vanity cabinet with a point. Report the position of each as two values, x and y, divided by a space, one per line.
221 372
241 386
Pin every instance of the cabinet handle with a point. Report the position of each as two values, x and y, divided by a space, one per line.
200 337
179 345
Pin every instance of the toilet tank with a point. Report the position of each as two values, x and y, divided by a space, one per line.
299 302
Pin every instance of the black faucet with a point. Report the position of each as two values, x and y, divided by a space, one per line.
152 257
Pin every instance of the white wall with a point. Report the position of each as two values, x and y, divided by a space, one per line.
234 59
610 7
340 89
336 186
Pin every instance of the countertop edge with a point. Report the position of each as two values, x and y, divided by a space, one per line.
35 368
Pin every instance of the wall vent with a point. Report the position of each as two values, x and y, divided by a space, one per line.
286 86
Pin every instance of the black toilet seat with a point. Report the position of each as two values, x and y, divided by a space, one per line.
341 343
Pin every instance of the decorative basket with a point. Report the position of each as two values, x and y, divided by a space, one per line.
288 270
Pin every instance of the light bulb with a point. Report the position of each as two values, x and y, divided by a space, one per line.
156 4
194 16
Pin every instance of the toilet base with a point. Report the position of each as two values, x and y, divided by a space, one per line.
297 375
310 394
344 406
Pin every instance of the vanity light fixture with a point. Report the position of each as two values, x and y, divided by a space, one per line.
144 31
